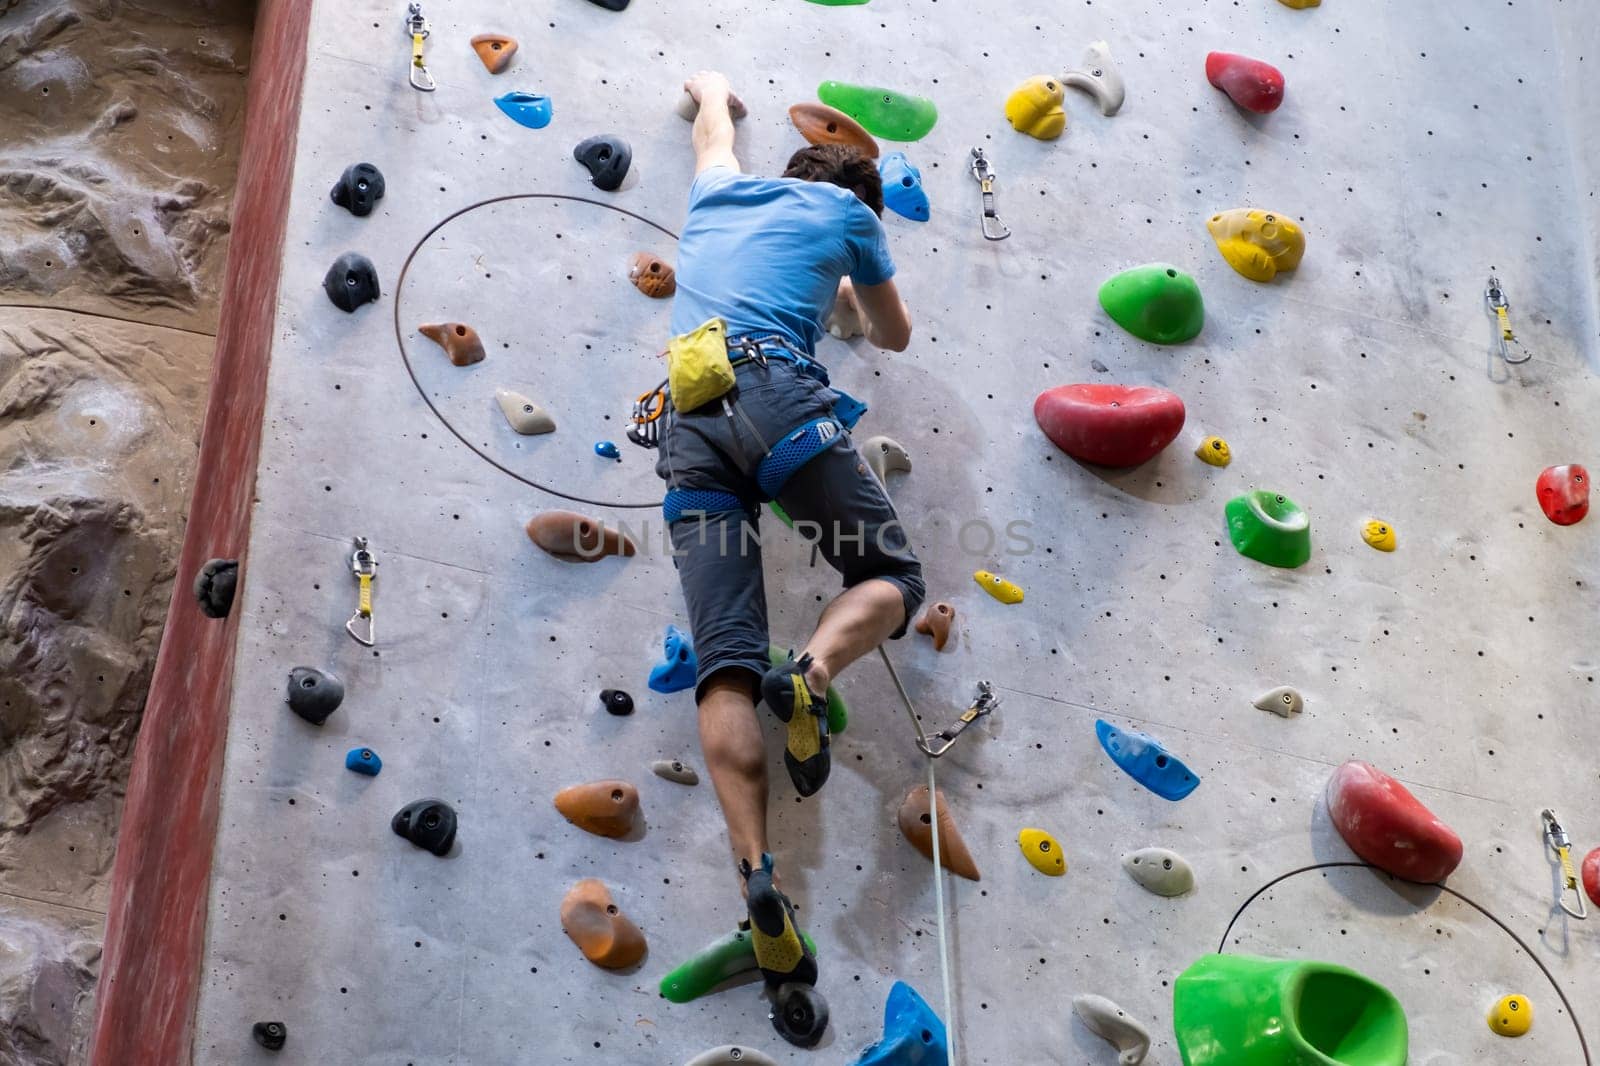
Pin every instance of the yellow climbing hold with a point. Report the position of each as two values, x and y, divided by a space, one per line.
1258 244
1042 852
1300 4
1511 1016
1379 535
1034 108
1214 451
998 587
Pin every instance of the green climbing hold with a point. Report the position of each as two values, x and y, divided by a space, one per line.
1269 528
782 515
1238 1010
838 713
1155 302
884 112
841 3
721 960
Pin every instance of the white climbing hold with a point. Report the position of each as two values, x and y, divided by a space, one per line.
1110 1022
1282 701
1098 77
675 770
884 454
689 108
844 321
1166 873
525 416
731 1055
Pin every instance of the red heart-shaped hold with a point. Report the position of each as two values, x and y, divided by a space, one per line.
1111 425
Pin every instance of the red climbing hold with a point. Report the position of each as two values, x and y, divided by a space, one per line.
1591 876
1111 425
1388 826
1564 493
1250 83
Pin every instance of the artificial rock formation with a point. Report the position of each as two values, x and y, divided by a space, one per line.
358 189
733 1054
1511 1016
604 808
677 669
616 702
1250 83
1269 528
363 761
214 587
1098 77
1564 493
607 158
525 416
312 694
1214 451
577 538
1112 1024
1144 759
821 124
902 188
916 822
1380 535
998 587
270 1035
885 113
1034 108
689 108
913 1035
1156 302
1389 827
652 275
1043 852
459 341
937 621
1258 244
1591 876
885 454
430 824
675 770
1109 425
602 932
532 110
1283 701
1164 872
351 281
496 50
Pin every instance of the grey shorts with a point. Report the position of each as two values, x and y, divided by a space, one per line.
834 500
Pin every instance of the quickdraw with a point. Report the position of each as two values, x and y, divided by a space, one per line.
993 228
1556 839
417 27
365 567
1494 298
644 419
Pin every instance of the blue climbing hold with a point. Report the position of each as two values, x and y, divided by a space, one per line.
363 761
1147 762
676 671
607 449
902 187
526 109
912 1034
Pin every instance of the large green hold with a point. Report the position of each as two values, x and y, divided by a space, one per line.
884 112
1237 1010
1269 528
722 960
1155 302
838 713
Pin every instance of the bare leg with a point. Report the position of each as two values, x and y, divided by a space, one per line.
730 739
858 620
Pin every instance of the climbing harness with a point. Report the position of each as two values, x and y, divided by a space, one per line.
1494 298
1560 844
365 566
993 228
417 27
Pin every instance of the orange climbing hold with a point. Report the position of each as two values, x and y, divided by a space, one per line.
459 341
937 622
602 932
605 808
652 275
916 822
821 124
577 538
496 50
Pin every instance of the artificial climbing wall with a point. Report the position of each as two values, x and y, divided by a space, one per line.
1422 145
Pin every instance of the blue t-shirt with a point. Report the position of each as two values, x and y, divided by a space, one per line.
766 254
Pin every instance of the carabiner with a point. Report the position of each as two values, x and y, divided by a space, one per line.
1494 298
1556 840
993 228
417 27
982 704
364 565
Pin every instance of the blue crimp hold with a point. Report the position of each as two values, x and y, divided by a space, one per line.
526 109
912 1034
363 761
1147 762
677 669
902 188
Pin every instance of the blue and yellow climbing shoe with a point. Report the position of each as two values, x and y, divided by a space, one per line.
783 956
805 751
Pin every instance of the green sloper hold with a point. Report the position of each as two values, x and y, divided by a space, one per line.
884 112
1155 302
838 713
1269 528
841 3
1237 1010
719 961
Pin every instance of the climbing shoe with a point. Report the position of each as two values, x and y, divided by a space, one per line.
783 956
805 751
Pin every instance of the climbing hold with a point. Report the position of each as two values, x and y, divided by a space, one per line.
799 1014
428 823
351 281
652 275
1240 1010
214 587
602 932
1300 4
902 188
1379 534
611 5
1043 852
721 960
525 416
884 112
840 3
313 695
1269 528
604 808
577 538
1034 108
363 761
1564 493
675 770
1098 77
1511 1016
1111 1023
998 587
1250 83
1163 872
838 713
689 107
1389 827
937 621
1258 244
533 110
616 701
821 124
358 189
607 449
676 671
884 454
735 1054
1214 451
270 1035
1144 759
1156 302
1109 425
844 320
912 1034
496 50
459 341
607 158
1591 876
916 822
1283 701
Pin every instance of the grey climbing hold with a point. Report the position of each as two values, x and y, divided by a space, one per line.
731 1055
1282 701
689 108
214 586
1166 873
270 1035
884 454
607 158
358 189
673 770
525 416
1098 77
313 695
427 823
1099 367
1110 1022
351 281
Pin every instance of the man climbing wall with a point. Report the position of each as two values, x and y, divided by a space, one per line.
761 261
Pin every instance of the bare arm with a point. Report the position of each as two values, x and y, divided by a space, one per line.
885 318
713 125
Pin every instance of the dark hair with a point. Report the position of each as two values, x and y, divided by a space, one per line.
840 165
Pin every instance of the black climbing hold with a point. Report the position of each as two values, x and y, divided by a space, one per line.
351 281
616 701
359 189
799 1014
314 695
270 1035
610 5
607 157
427 823
214 585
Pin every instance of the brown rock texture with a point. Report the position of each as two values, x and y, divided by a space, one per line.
496 50
937 622
605 808
917 825
652 275
459 341
602 932
821 124
577 538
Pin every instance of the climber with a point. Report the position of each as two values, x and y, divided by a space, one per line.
768 257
